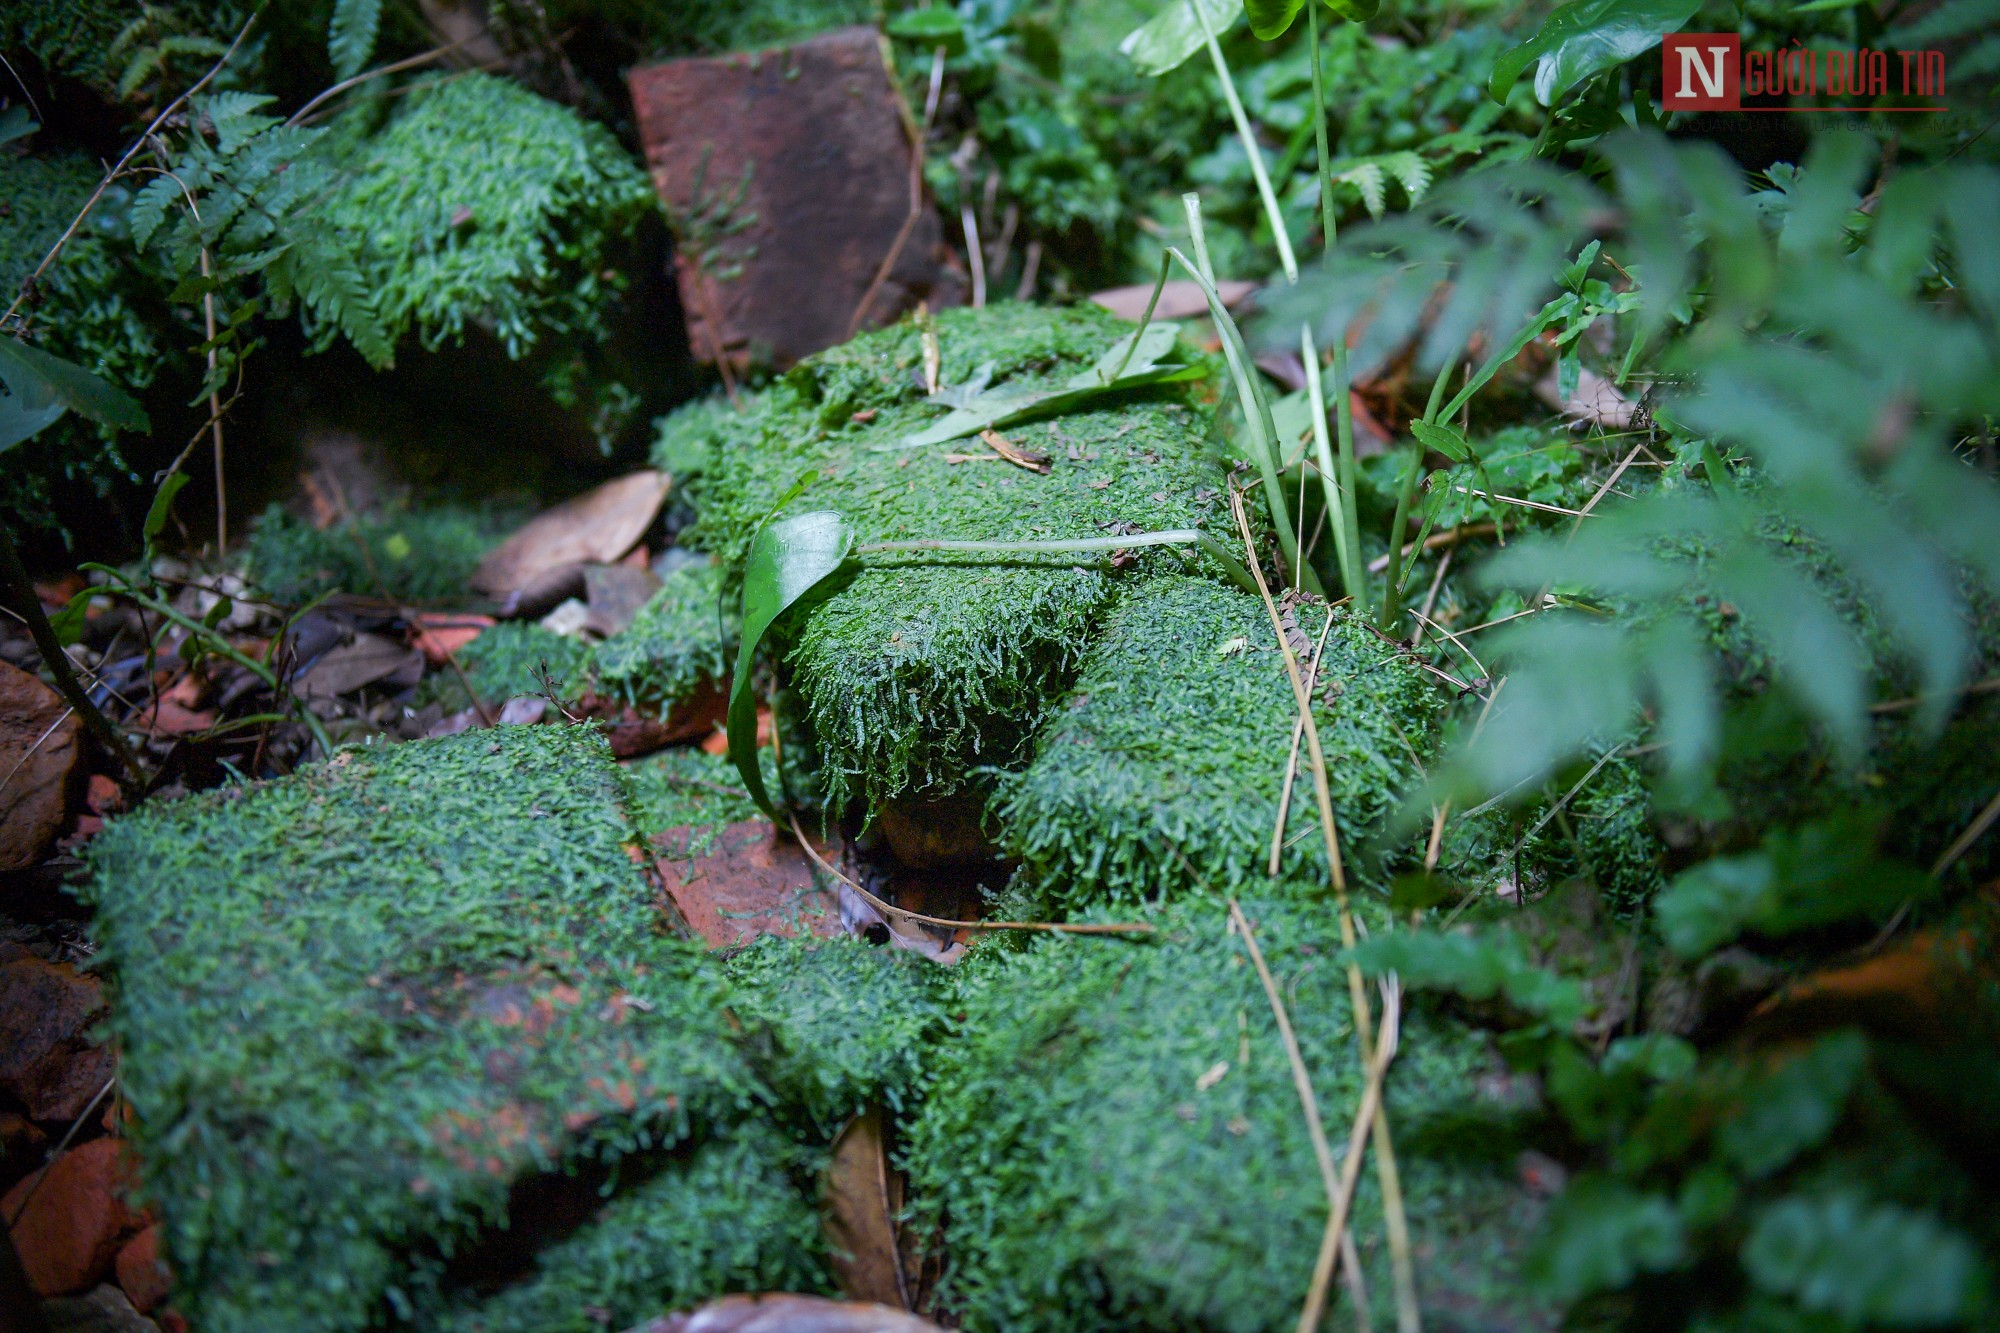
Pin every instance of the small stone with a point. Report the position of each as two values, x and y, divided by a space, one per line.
38 753
47 1061
105 1310
141 1272
68 1233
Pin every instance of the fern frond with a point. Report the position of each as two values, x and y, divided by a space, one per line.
350 38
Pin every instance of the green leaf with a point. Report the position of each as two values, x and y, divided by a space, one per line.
792 561
1271 18
1866 1262
1447 439
1601 1234
1585 37
1479 967
163 501
350 36
15 123
1792 1109
68 623
34 378
1799 878
939 25
1175 33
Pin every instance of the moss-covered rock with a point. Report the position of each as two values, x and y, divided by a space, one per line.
682 637
732 1214
510 658
1166 767
923 671
843 1024
357 1005
1112 1138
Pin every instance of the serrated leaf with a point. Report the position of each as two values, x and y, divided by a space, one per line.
1442 437
793 561
1584 38
1600 1234
350 37
1791 1109
1171 36
1871 1263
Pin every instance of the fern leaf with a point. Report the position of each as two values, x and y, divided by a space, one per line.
1412 172
351 35
1368 178
149 208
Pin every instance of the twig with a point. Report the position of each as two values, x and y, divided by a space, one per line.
40 740
890 909
1449 537
1367 1116
1292 764
1385 1160
119 169
1430 600
15 578
1963 843
1301 1079
1609 482
972 253
1525 504
910 220
1567 797
395 67
214 412
1986 686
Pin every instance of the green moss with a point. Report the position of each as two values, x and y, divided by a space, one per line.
407 555
507 659
356 1005
732 1215
921 671
686 787
683 636
845 1023
481 203
688 439
1166 765
1113 1140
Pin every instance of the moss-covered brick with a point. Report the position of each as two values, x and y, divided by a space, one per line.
921 672
681 637
507 659
842 1023
732 1214
686 787
1166 764
356 1005
1112 1138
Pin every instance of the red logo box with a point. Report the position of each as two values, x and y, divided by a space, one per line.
1701 71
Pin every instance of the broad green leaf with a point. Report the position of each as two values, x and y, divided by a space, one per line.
1270 18
68 623
1446 439
1174 34
74 387
1478 967
1584 37
1871 1263
1601 1234
163 501
791 561
939 25
16 123
28 407
1792 1109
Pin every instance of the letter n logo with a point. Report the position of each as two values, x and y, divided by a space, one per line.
1702 71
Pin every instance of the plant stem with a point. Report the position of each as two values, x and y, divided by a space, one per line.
1405 492
1346 517
22 589
1286 259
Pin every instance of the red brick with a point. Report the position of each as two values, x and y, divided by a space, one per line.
69 1233
141 1272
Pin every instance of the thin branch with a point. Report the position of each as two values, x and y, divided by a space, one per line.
396 67
119 169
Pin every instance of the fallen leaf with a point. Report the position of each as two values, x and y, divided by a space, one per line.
780 1313
1178 300
719 742
1596 400
1031 459
597 527
38 752
366 659
633 732
439 636
614 594
1211 1076
861 1199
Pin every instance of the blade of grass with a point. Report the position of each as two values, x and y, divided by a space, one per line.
1286 259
